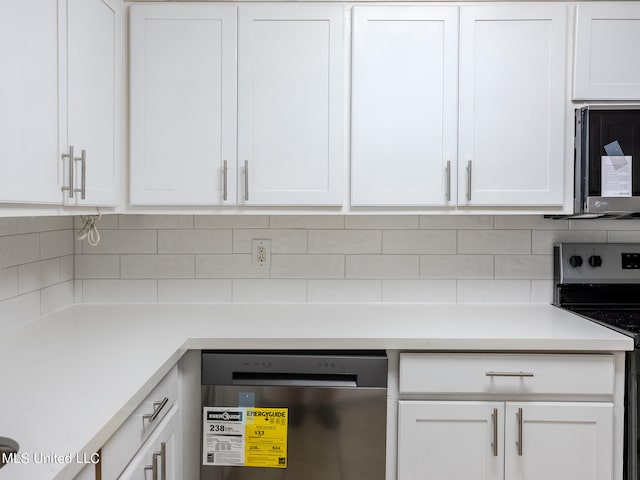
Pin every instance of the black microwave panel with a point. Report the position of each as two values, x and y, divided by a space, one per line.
606 126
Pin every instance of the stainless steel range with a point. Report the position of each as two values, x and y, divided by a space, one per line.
602 283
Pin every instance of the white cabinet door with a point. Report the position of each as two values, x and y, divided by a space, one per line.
607 64
512 104
560 441
160 452
94 79
30 169
450 440
404 106
291 104
183 104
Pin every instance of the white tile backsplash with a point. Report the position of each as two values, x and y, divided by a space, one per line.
382 222
539 267
494 291
282 240
421 291
8 282
494 241
194 241
19 249
123 241
97 266
269 290
38 275
56 244
419 241
456 266
345 241
119 291
194 291
383 266
307 266
36 260
326 258
344 291
157 266
232 221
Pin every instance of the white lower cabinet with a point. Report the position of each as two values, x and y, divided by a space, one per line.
505 440
153 422
158 459
505 422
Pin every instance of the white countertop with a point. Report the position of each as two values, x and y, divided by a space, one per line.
71 378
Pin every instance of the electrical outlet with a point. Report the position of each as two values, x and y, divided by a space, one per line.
261 253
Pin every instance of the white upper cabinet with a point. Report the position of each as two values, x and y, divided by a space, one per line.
404 106
30 169
291 104
60 87
94 79
284 109
512 104
183 104
607 64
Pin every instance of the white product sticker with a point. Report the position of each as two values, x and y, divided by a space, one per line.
616 176
223 436
245 436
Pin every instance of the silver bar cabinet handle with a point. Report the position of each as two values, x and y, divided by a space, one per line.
224 181
520 422
163 461
70 175
157 408
448 180
83 174
246 180
509 374
469 180
494 417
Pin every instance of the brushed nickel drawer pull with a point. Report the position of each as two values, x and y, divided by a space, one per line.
494 417
157 408
509 374
520 426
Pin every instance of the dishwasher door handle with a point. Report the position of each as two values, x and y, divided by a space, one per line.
294 380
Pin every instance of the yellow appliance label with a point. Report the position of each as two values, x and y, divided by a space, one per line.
245 436
266 437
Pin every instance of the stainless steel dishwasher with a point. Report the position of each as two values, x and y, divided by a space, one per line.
326 411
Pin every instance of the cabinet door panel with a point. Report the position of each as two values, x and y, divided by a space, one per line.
183 104
93 88
450 440
290 103
607 66
560 441
168 434
512 104
404 114
30 168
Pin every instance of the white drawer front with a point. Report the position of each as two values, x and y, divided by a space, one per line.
123 445
531 374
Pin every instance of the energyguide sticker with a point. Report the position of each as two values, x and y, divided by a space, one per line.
243 436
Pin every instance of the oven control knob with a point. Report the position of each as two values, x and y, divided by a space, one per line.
595 261
575 260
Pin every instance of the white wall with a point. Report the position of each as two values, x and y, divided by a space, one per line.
433 259
36 267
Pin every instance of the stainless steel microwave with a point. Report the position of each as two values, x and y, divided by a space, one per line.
607 161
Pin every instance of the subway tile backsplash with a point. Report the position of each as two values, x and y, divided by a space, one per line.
332 258
36 267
